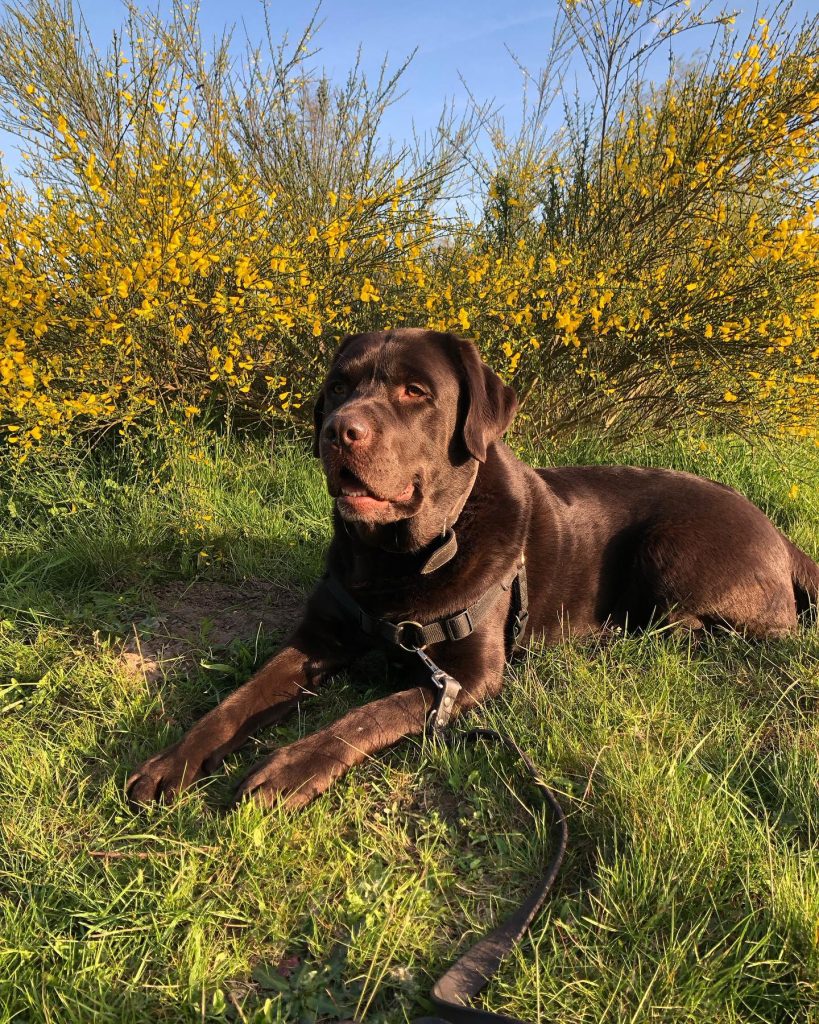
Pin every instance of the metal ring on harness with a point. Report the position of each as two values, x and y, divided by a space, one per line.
399 636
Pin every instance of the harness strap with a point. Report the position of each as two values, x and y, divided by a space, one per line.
413 636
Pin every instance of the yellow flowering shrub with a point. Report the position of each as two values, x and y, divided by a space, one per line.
647 273
189 240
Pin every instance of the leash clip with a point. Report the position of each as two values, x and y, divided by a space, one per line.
448 689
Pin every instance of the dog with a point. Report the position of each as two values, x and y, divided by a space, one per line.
438 528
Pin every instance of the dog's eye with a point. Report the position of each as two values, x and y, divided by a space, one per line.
338 387
414 391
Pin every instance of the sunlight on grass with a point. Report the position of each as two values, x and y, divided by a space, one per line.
689 772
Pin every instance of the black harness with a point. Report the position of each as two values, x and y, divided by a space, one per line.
414 637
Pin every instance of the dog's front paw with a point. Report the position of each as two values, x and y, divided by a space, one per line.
293 776
164 775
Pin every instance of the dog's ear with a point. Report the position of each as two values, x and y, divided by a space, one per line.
318 421
490 405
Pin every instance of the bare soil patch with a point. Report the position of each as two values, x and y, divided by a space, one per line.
187 619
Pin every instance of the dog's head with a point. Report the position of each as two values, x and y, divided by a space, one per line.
400 420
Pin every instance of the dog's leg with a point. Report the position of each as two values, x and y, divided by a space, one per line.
297 773
287 678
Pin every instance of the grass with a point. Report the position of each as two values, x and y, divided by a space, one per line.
690 774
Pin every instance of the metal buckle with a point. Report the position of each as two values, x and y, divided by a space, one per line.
401 626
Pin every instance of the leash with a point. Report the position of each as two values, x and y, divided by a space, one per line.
457 986
470 973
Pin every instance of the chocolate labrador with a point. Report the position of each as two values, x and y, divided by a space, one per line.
437 528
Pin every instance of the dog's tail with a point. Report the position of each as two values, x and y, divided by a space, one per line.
805 576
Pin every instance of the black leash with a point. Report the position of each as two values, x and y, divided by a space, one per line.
470 973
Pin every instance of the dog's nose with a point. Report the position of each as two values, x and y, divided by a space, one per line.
346 430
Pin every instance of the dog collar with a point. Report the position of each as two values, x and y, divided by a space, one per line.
444 551
446 546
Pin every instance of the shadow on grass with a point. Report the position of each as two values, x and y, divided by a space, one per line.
111 587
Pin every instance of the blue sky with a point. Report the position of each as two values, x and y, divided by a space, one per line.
453 37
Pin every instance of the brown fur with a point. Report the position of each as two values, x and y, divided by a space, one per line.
604 545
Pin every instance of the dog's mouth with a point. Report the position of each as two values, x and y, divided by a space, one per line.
355 496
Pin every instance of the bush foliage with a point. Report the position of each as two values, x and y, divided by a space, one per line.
197 232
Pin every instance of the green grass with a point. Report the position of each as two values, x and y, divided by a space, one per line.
690 775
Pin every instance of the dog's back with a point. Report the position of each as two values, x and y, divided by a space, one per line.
659 543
